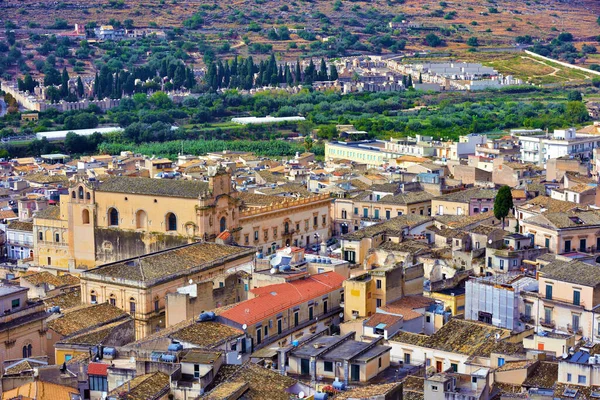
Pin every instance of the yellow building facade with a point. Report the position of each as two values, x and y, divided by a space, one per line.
122 217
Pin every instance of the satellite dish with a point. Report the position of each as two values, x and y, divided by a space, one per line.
490 241
244 327
301 395
239 357
341 315
191 281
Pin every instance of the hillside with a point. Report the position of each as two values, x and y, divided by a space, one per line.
242 26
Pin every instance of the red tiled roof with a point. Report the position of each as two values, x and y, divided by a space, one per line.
97 369
379 318
7 214
406 306
273 299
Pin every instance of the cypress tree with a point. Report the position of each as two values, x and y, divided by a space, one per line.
333 73
163 68
171 70
322 75
64 83
109 85
249 73
410 83
179 77
117 88
79 87
129 86
190 79
234 65
298 73
220 72
226 75
288 76
96 85
310 73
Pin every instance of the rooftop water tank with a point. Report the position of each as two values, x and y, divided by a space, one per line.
337 385
175 347
320 396
109 352
168 358
295 343
207 316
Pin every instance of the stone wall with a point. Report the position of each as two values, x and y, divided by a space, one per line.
115 244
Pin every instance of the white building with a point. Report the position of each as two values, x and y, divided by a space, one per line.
19 240
538 149
420 146
466 145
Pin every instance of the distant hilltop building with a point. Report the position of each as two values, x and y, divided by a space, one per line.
265 120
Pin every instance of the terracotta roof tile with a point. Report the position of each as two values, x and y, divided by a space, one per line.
7 214
144 387
45 277
20 226
262 383
86 317
40 390
464 337
543 376
98 369
368 392
395 225
379 318
406 306
273 299
50 212
181 260
206 334
154 187
65 300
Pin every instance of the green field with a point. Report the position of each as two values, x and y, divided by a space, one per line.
537 71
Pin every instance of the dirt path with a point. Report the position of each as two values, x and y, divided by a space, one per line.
238 45
553 73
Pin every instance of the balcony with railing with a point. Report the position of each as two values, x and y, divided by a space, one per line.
19 242
574 330
564 302
528 319
547 323
370 219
